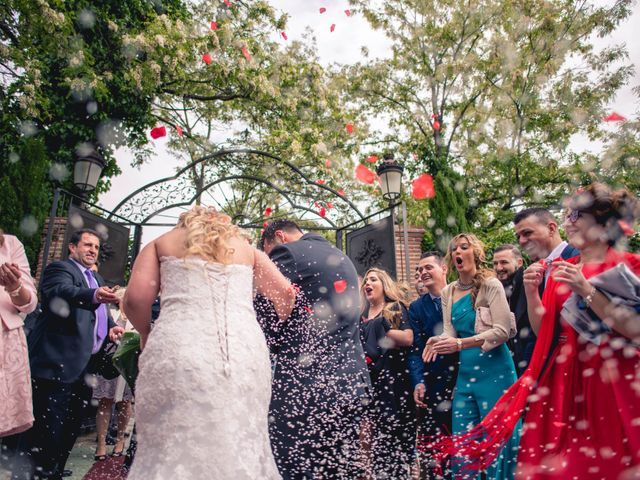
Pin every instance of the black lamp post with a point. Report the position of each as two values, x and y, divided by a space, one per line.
390 173
87 171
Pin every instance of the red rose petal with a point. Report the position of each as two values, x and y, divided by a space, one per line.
327 163
322 10
316 204
614 117
308 309
206 58
179 130
246 54
423 187
322 212
284 35
329 205
560 424
436 125
365 175
349 128
340 286
158 132
626 228
434 116
214 26
227 3
320 182
348 13
268 211
264 225
341 192
372 159
333 27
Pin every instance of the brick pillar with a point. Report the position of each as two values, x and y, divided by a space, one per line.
57 247
415 240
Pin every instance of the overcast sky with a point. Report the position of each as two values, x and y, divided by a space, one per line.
343 46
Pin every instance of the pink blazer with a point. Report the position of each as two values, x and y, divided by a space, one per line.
12 251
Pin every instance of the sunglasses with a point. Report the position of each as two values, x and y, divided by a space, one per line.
574 215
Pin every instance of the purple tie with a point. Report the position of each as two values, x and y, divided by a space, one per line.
100 330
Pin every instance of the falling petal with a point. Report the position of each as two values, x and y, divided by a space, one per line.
264 225
333 27
436 125
246 54
329 205
340 286
423 187
158 132
372 159
206 58
614 117
327 163
322 9
365 175
214 26
284 35
179 130
268 211
227 3
322 212
348 13
341 192
320 182
626 228
349 128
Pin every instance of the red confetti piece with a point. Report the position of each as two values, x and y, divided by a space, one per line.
348 13
423 187
284 35
158 132
365 175
368 360
316 204
320 182
560 424
179 130
614 117
268 211
329 205
626 228
372 159
308 309
333 27
341 192
340 286
214 26
227 3
322 212
434 116
349 128
322 10
206 58
246 54
264 225
436 125
327 163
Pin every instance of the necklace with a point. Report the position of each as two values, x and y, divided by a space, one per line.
464 286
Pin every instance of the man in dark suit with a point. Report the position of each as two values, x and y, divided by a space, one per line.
75 323
321 383
433 383
538 235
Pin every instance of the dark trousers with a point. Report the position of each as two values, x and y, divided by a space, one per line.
58 409
432 422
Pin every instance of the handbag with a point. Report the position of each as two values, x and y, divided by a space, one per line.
104 361
484 321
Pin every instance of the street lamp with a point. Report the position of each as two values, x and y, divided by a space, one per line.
87 171
390 173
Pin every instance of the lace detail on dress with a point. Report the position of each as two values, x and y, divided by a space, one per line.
202 397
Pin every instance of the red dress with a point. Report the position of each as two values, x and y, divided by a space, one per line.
583 419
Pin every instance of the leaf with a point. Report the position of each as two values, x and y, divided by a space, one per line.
349 128
372 159
422 187
614 117
284 35
365 175
322 10
206 58
158 132
340 286
246 54
333 27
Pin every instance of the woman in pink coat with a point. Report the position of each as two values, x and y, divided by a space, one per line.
17 296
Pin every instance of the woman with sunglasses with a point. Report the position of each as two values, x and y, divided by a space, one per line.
581 395
386 338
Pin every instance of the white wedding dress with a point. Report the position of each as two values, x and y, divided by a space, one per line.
202 396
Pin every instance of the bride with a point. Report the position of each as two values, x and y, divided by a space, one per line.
202 396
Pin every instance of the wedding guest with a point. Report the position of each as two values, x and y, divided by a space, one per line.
486 367
108 392
18 296
386 338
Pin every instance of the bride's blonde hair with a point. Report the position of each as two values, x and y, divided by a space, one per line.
207 233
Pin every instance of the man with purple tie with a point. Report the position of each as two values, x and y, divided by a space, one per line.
75 323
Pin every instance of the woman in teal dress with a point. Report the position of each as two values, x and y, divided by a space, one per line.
486 367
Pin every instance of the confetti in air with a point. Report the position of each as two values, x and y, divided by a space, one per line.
246 54
322 10
333 27
320 182
347 13
158 132
423 187
327 163
284 35
365 175
206 58
179 130
329 205
214 26
614 117
322 212
227 3
349 128
268 211
436 125
340 286
372 159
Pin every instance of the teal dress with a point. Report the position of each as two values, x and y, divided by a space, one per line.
482 379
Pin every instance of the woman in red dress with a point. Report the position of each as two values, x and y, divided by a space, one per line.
582 399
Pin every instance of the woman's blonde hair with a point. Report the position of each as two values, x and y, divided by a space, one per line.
207 233
482 272
394 297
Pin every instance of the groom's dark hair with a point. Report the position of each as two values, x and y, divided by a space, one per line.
269 232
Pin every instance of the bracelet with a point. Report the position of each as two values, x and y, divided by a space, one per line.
16 292
459 343
588 300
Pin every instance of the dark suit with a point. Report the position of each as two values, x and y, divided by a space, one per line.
438 377
60 359
320 381
523 343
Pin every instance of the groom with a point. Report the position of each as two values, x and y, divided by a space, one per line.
320 383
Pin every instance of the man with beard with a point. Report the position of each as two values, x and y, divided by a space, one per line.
538 235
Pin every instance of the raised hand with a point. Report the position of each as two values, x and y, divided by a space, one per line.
572 276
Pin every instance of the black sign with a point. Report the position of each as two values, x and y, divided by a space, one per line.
114 243
373 246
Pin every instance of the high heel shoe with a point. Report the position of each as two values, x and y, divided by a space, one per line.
99 458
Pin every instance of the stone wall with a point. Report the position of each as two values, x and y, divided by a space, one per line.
415 239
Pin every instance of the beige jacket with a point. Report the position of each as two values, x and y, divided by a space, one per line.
491 295
12 251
